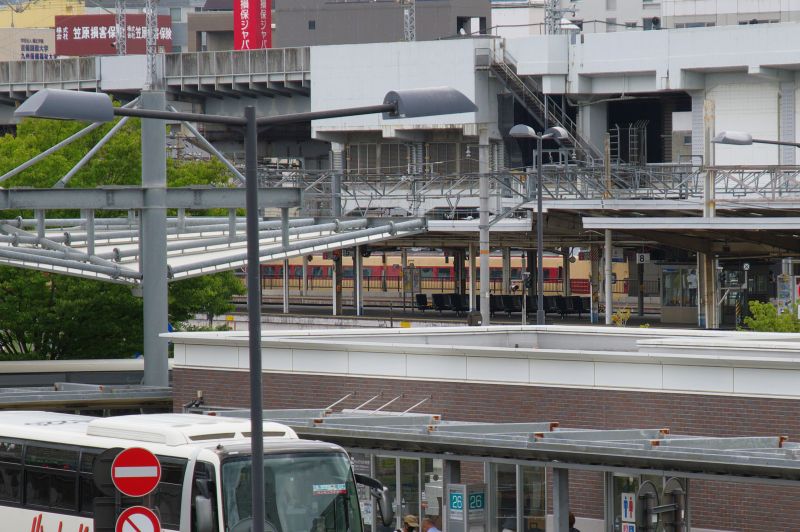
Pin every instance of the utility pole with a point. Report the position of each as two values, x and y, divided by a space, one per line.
409 21
122 30
151 40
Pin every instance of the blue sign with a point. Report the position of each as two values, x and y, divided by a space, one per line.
456 501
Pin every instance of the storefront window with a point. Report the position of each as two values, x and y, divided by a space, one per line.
432 492
533 497
409 486
679 286
386 473
505 482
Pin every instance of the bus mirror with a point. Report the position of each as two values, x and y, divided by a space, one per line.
381 495
203 514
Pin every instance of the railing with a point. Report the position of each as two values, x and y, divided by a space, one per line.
455 196
50 71
394 283
237 62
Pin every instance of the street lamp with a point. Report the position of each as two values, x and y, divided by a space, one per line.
741 138
521 131
98 107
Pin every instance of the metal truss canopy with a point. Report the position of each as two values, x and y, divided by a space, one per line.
770 459
127 198
109 249
738 223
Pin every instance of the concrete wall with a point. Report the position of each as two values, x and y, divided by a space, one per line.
355 75
362 22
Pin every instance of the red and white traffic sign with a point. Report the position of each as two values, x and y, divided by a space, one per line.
135 472
138 519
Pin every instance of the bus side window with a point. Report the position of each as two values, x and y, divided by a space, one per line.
87 491
204 483
167 496
10 471
51 477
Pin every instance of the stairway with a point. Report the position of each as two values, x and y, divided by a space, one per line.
539 105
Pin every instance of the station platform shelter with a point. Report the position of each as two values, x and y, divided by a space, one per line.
694 430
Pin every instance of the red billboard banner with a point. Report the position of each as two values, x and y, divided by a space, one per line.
81 35
252 24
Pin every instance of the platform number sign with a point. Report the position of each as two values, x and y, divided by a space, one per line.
456 501
642 258
476 501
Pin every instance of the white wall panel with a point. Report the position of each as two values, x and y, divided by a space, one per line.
319 361
367 363
766 381
497 369
751 107
564 372
436 367
271 359
212 355
624 375
698 378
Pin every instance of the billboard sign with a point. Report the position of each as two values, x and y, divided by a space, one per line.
83 35
252 24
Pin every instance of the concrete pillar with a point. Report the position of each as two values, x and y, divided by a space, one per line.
565 278
708 295
594 283
458 270
285 270
304 280
451 474
506 270
640 296
483 169
787 119
358 289
609 296
403 269
336 286
337 164
560 499
155 289
383 272
472 279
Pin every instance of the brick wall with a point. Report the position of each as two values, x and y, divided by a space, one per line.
715 505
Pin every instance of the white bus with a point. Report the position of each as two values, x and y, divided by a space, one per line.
46 474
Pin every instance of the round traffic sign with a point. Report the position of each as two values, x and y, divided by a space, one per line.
138 519
135 472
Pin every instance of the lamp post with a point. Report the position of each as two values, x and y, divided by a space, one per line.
521 131
98 107
741 138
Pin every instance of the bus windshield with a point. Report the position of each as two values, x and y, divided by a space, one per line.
302 492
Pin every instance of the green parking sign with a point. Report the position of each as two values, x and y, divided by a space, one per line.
456 501
476 501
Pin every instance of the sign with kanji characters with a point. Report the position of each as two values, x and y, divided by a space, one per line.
83 35
252 24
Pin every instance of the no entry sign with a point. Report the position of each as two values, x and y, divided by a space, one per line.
138 519
135 472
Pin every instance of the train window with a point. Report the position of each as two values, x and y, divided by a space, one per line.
426 273
367 272
515 273
496 273
444 273
347 273
316 271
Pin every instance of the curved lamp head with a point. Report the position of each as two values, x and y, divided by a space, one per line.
740 138
412 103
521 131
68 105
556 133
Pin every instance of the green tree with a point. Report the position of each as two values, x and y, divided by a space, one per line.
209 295
764 317
53 316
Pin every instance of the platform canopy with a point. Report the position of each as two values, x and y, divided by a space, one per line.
110 248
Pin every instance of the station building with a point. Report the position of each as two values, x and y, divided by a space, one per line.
711 383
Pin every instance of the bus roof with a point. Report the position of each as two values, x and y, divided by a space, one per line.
165 429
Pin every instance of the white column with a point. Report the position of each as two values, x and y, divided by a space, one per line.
608 274
286 286
472 280
304 281
358 289
506 270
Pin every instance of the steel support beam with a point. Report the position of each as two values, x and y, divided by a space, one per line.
154 242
